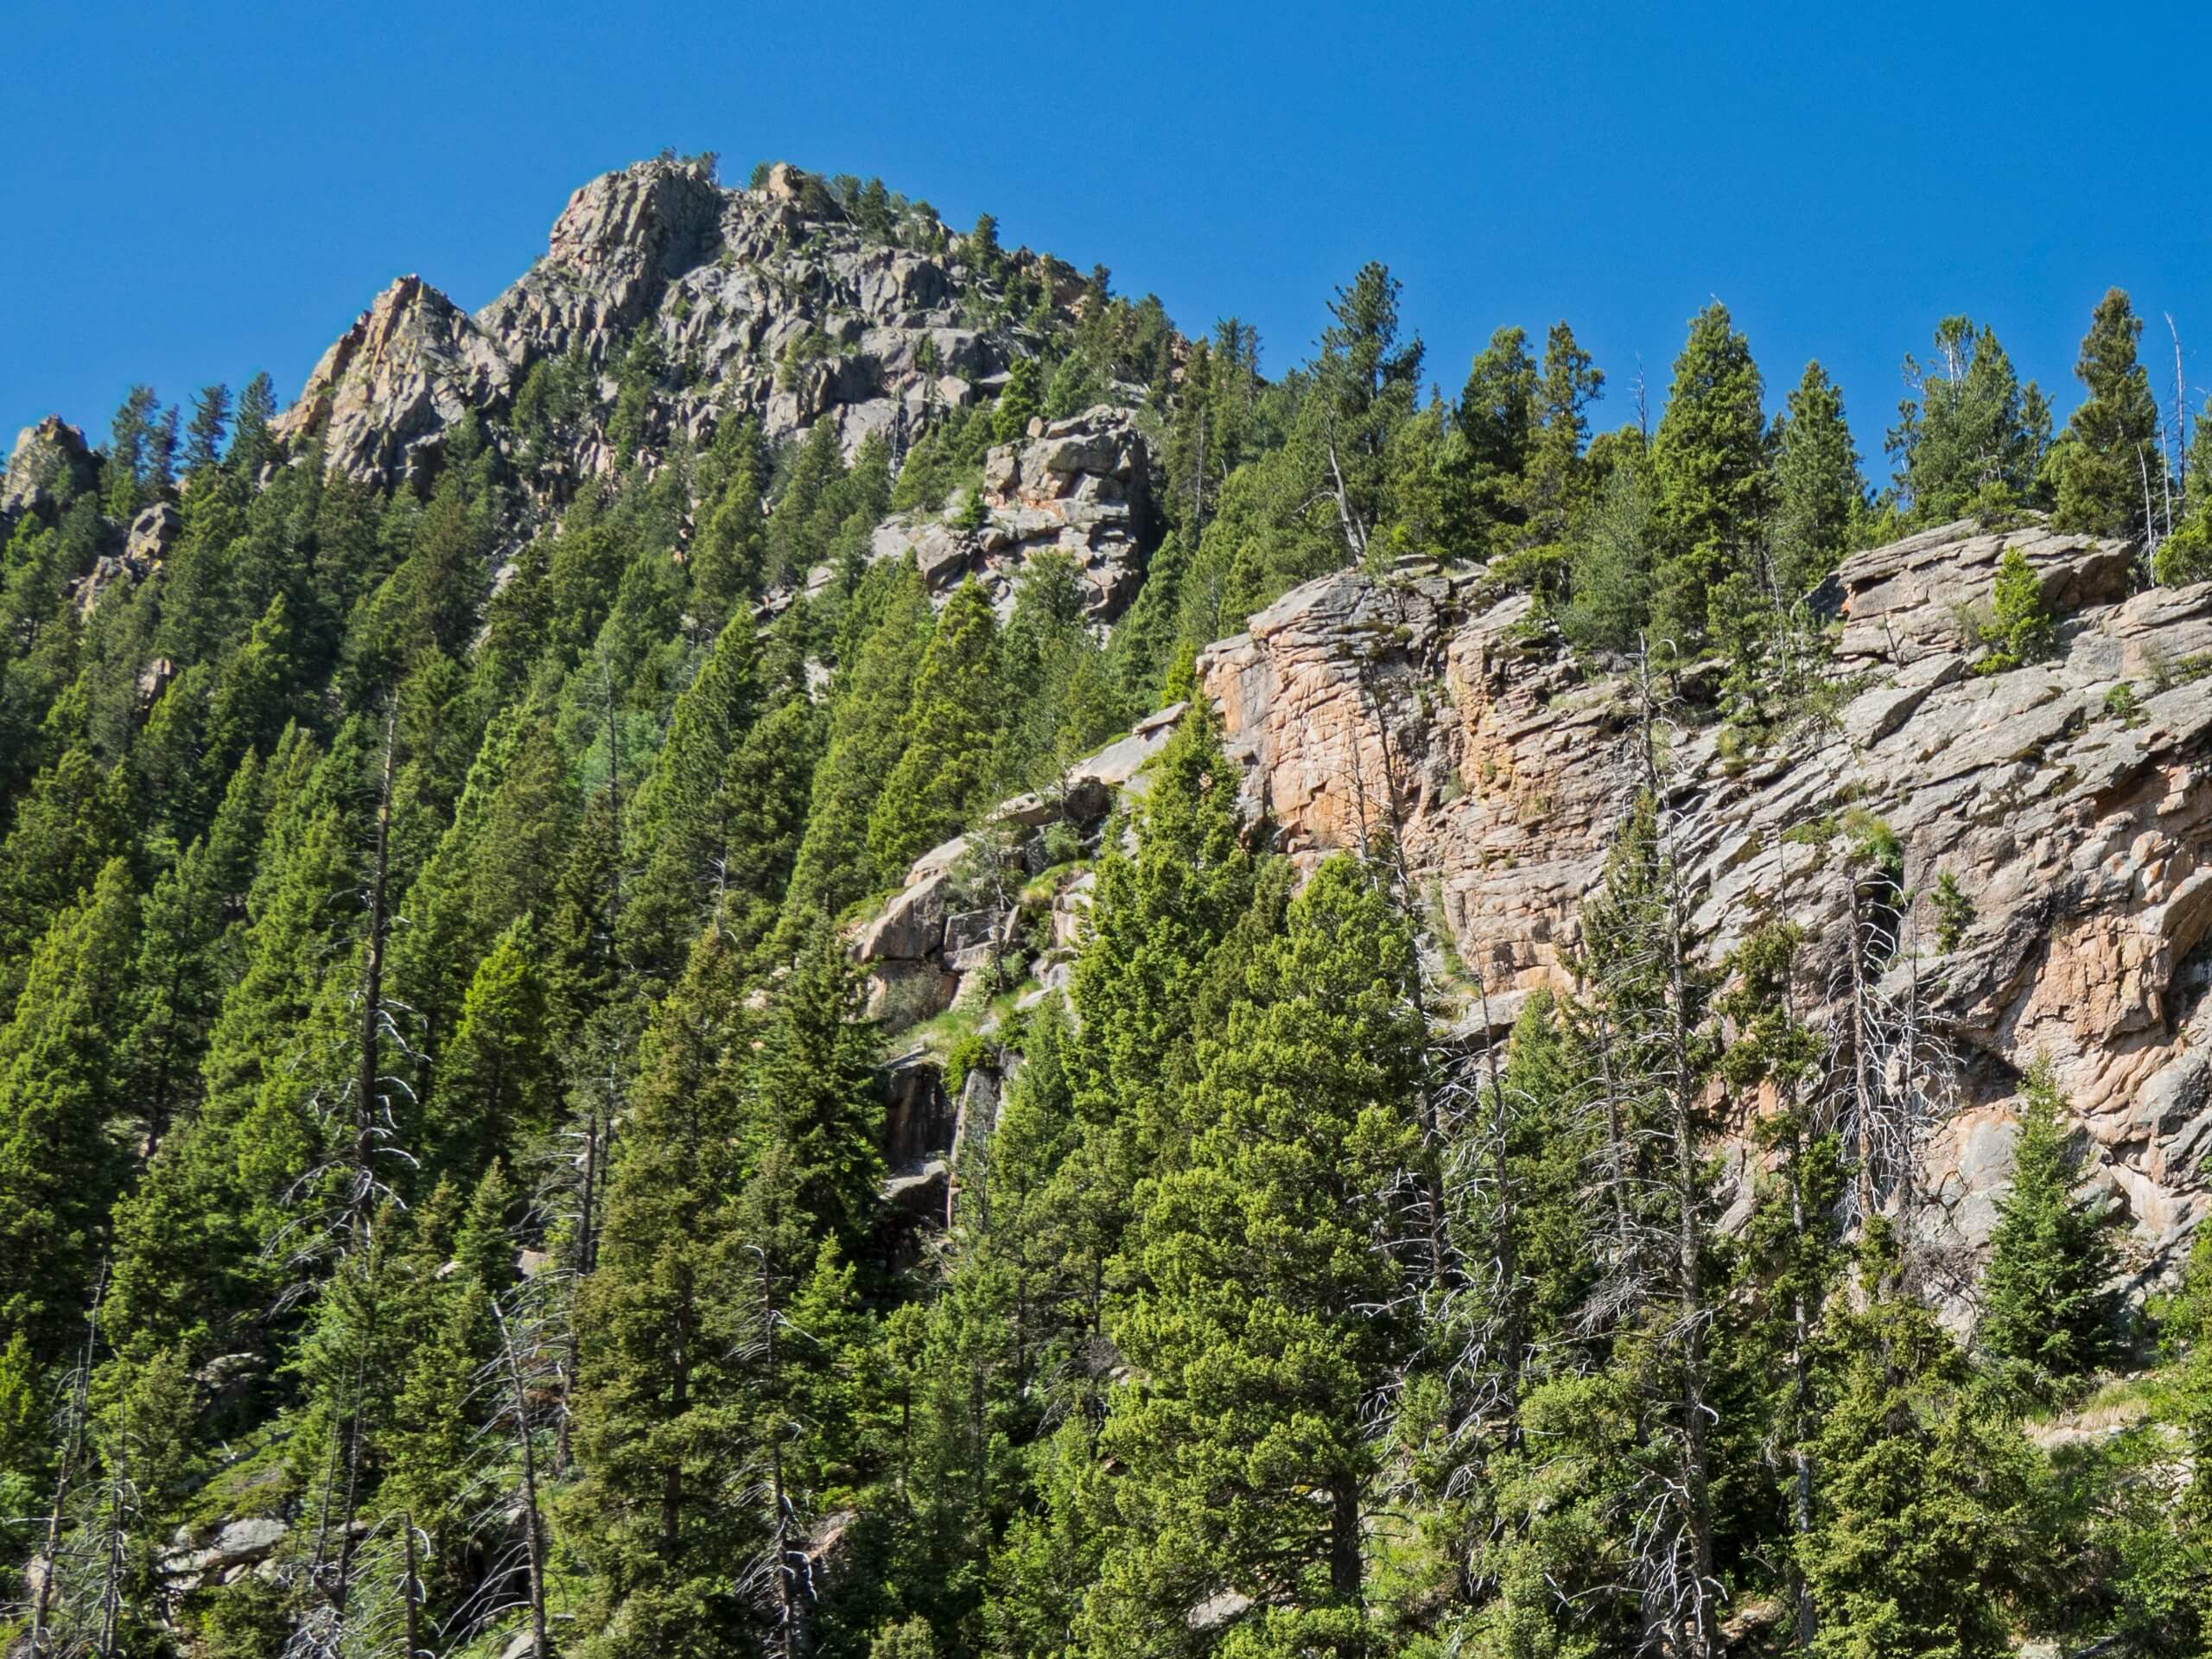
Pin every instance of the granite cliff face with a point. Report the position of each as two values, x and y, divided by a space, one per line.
2069 801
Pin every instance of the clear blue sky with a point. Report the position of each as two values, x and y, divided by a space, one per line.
192 192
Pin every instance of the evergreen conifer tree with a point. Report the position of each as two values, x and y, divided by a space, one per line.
2111 469
1266 1326
1926 1495
1708 460
948 731
2046 1304
1819 496
62 1162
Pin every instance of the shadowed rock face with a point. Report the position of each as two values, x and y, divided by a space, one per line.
763 301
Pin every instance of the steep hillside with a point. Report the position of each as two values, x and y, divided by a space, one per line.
811 941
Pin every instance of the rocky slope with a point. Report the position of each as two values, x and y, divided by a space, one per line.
2068 801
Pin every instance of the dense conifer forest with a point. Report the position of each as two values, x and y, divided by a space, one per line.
451 1197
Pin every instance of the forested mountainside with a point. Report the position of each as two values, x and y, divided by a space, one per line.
813 942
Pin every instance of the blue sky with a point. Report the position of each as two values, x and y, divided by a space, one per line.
192 192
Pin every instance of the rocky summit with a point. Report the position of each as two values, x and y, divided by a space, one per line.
813 943
769 300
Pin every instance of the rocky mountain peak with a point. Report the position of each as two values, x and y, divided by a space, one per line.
388 390
769 302
50 465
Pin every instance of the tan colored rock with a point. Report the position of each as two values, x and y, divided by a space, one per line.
2075 833
1914 596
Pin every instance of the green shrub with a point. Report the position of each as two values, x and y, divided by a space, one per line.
2019 629
1954 913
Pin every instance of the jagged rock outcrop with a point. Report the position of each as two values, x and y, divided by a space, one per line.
955 930
145 544
386 393
1082 485
236 1548
1917 598
765 302
49 466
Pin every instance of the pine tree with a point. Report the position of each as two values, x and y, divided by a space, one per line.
2109 462
1020 401
729 557
1926 1497
1970 439
1497 418
1611 559
1555 486
814 1079
61 1166
1365 386
948 732
188 951
1075 387
1792 1260
1650 1182
654 1434
2185 554
203 438
890 631
500 1083
250 443
673 826
1156 922
75 819
1266 1326
1708 460
2020 630
130 442
1819 497
2046 1304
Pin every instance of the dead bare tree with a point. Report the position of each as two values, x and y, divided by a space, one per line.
521 1386
1349 520
381 1616
2177 459
780 1577
74 1414
1892 1070
519 1415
